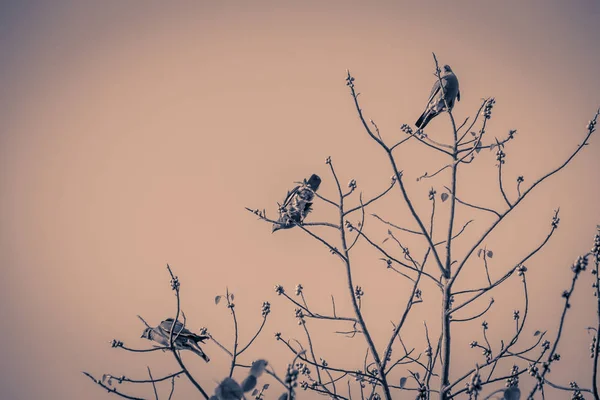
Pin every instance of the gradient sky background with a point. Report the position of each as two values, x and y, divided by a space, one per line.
134 133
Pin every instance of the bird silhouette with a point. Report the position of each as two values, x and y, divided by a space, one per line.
183 339
438 100
297 203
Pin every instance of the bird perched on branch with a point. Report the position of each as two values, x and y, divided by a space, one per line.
297 203
183 339
439 98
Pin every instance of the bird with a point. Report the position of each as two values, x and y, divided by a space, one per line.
297 203
437 101
183 338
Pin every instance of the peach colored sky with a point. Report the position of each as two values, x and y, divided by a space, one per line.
134 133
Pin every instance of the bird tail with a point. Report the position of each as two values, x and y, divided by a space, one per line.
425 118
196 349
280 224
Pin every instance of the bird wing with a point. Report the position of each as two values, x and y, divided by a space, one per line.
434 90
179 329
289 196
157 336
195 338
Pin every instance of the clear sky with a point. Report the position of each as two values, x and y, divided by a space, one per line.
134 134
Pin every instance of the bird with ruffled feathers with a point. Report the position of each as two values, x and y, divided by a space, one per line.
297 204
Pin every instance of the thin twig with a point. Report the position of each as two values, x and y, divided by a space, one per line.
596 342
472 205
500 163
472 123
426 175
172 388
255 336
361 226
153 383
405 265
568 389
236 335
111 389
396 226
386 191
326 200
458 234
476 316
